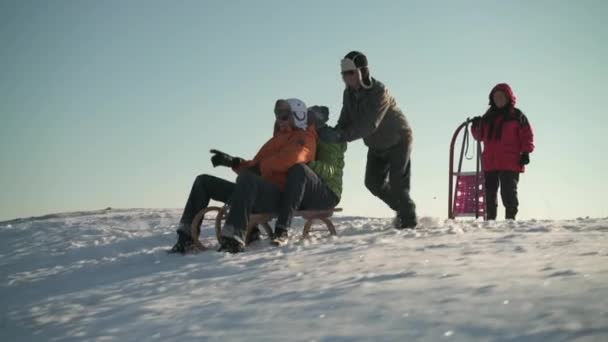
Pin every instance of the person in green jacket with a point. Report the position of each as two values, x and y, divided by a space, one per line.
316 186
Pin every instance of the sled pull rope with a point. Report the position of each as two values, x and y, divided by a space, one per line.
466 141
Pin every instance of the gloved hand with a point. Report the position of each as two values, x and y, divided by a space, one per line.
476 121
524 159
222 159
330 135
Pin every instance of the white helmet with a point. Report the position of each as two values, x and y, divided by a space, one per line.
300 113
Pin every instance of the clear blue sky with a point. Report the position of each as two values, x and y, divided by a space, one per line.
116 103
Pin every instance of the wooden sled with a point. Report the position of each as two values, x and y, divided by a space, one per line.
263 221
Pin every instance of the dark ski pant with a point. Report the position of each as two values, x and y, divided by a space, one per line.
304 191
388 175
204 189
507 181
252 194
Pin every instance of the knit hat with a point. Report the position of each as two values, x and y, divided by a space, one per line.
299 112
319 115
356 60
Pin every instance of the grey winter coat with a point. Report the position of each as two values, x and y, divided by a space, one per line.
373 114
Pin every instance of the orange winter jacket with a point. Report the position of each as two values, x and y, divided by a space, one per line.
284 150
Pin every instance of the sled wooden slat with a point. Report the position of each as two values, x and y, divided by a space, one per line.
263 220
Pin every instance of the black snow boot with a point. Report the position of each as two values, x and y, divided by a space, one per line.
183 245
510 213
230 245
253 236
491 212
280 236
405 222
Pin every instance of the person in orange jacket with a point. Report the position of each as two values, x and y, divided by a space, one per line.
260 181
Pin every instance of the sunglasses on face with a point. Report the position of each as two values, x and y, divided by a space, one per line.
282 114
349 73
279 111
283 117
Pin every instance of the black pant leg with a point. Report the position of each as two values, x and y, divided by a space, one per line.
305 191
318 196
204 189
252 193
492 181
400 182
509 181
376 173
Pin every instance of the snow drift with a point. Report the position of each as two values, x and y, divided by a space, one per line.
105 276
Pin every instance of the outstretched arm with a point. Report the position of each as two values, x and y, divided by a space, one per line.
373 113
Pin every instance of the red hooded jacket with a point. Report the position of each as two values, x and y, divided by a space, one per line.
505 133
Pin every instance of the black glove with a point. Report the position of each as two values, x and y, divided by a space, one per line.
330 135
476 121
222 159
524 159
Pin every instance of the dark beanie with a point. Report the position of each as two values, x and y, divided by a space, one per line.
358 58
360 62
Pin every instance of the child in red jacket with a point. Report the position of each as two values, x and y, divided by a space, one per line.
508 141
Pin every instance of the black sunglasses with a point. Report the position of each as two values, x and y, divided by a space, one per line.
279 111
349 73
283 117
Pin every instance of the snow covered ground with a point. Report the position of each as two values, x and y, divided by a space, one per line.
105 276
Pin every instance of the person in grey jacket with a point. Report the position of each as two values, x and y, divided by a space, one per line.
370 112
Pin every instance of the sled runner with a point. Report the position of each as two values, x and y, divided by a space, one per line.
262 220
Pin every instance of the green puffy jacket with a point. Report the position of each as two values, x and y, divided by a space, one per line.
329 165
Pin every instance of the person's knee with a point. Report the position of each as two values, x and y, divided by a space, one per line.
297 172
246 177
202 180
373 185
